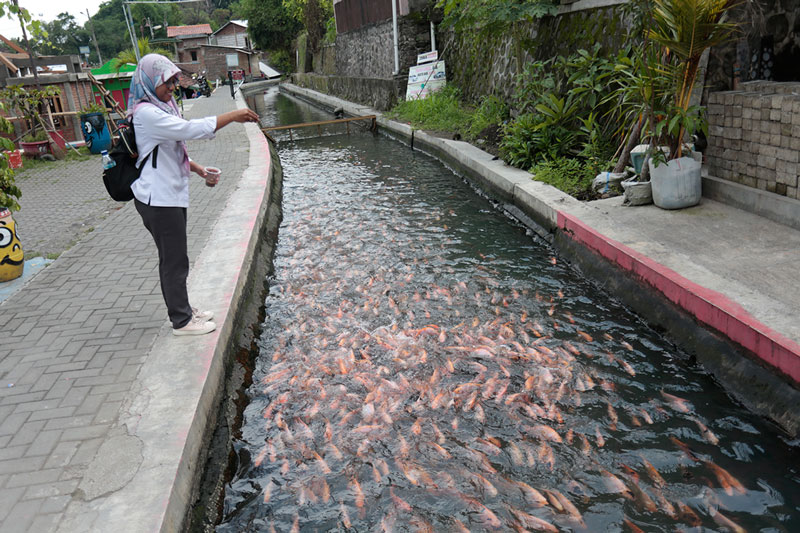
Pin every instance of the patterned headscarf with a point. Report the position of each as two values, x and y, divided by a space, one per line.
153 70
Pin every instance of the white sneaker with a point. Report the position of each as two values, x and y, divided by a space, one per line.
196 326
205 315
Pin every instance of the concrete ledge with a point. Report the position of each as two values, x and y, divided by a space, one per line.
253 87
163 425
772 206
709 307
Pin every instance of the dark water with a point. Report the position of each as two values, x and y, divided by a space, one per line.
428 365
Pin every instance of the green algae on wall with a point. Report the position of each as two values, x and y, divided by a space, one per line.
482 64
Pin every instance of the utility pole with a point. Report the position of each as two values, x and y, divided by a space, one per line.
94 38
129 24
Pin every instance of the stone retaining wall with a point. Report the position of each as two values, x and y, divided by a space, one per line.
754 136
380 94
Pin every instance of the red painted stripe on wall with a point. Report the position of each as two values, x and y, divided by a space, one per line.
707 306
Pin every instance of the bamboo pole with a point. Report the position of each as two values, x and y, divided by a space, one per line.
321 123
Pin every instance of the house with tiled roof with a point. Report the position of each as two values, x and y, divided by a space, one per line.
188 41
198 49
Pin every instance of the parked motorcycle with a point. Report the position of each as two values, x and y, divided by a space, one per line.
204 89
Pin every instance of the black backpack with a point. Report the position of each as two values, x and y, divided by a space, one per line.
119 178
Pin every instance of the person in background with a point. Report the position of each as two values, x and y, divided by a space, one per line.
161 194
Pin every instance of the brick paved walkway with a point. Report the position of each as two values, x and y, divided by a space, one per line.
75 338
61 202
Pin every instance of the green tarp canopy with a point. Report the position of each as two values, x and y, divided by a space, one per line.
108 69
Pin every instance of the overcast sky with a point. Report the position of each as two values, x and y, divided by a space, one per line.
48 10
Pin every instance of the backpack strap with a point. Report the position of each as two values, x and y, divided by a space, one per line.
154 153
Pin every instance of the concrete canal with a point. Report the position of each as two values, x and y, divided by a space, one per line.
428 364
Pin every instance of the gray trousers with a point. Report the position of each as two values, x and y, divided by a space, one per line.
167 225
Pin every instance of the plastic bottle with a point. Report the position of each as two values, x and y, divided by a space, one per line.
107 161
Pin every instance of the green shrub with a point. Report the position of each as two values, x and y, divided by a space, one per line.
38 136
573 176
491 112
530 139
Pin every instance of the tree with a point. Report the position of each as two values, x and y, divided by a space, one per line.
110 29
195 14
314 15
9 192
64 37
490 16
270 26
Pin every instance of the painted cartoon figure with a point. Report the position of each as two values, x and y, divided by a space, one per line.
95 132
11 255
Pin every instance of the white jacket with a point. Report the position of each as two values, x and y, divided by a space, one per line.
167 185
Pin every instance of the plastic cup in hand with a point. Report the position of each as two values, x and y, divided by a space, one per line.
212 176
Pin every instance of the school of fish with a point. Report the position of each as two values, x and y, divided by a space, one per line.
395 392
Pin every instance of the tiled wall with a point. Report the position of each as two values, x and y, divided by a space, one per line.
754 136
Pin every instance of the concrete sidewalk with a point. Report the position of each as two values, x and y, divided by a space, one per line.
732 273
88 366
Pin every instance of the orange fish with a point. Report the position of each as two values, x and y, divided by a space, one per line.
726 480
677 403
485 484
707 433
545 433
399 502
724 521
535 523
359 494
653 473
633 527
345 516
532 496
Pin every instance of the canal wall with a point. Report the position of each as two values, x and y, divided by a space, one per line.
757 365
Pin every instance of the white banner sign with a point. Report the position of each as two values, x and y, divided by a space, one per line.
425 79
427 58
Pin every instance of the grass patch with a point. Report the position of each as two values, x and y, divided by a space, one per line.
441 111
571 175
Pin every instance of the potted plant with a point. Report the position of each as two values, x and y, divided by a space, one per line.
641 87
684 29
11 254
35 144
94 128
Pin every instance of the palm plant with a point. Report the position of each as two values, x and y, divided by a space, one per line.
685 29
128 57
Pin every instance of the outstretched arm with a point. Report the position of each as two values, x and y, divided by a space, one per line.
239 115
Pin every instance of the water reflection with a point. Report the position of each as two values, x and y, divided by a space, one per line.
427 365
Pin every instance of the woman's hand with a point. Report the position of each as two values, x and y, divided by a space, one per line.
238 115
198 169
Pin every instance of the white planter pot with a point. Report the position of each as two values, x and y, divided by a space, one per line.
676 184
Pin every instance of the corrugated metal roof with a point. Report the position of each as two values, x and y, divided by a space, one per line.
196 29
